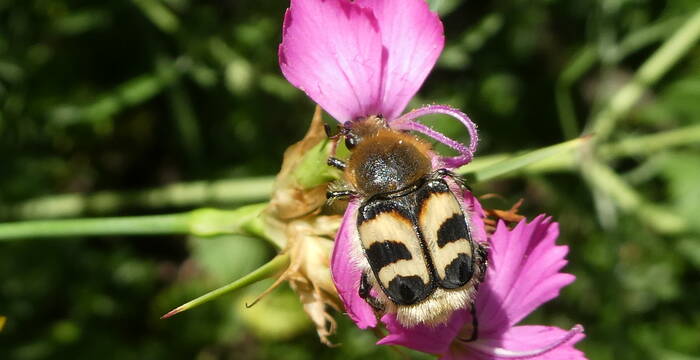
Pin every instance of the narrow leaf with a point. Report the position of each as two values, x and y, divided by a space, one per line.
517 162
268 270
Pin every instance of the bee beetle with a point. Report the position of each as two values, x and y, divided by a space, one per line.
413 238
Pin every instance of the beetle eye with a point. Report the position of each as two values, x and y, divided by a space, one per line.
350 142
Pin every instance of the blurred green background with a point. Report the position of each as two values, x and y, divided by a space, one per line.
139 107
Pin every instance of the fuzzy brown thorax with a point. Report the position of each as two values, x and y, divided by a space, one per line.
385 160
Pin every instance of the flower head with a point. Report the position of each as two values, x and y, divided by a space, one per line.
523 273
368 57
365 58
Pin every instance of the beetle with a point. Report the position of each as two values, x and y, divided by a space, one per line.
412 238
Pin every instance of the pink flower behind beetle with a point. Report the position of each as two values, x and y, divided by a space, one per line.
369 57
523 273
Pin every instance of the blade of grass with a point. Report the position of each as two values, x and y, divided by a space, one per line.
518 162
268 270
649 73
159 14
582 62
603 178
651 144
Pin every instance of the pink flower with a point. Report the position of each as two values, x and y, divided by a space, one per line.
369 57
523 273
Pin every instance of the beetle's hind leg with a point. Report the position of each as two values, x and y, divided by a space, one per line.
475 324
364 292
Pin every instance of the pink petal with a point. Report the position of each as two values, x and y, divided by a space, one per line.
530 342
346 274
434 340
407 122
523 273
476 212
413 39
332 50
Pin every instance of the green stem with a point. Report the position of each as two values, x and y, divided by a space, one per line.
256 189
159 14
200 222
130 93
562 157
583 61
130 225
645 36
268 270
647 75
588 56
651 144
509 164
603 178
185 120
197 193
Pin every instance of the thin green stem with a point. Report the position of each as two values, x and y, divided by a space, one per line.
129 225
179 195
604 179
130 93
588 56
648 74
582 62
200 222
510 164
233 191
159 14
645 36
651 144
185 120
268 270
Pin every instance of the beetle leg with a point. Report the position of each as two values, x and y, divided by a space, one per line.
475 324
483 262
340 194
364 292
336 163
454 176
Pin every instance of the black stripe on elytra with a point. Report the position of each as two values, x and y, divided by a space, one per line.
373 208
405 205
431 187
408 290
458 272
381 254
453 229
